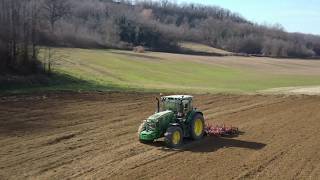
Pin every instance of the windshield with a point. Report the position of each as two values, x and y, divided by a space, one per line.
176 105
168 105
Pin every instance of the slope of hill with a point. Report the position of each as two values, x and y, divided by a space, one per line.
154 71
160 25
198 48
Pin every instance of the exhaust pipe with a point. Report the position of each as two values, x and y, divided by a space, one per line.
158 104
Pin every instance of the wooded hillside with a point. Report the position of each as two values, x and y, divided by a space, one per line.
158 25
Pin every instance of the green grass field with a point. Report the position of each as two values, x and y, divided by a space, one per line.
103 70
196 47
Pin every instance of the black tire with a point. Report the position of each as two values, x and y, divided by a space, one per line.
197 135
170 134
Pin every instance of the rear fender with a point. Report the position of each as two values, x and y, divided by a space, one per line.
192 114
187 125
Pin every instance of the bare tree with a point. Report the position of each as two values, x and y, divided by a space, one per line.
18 35
55 10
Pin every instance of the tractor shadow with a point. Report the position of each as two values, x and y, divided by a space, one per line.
211 144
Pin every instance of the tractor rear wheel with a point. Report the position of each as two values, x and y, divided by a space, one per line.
173 137
197 127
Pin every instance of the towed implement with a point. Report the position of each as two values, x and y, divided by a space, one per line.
220 130
175 119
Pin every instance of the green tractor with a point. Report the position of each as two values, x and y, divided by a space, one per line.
175 119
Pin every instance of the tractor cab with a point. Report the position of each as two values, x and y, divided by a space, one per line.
181 105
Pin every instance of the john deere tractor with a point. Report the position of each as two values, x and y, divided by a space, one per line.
174 120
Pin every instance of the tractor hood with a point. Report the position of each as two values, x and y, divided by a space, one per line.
158 116
155 125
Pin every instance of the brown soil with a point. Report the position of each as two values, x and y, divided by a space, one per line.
93 136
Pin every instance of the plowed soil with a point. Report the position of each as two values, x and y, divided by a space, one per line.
93 136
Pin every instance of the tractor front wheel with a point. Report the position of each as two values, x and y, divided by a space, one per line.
173 137
197 127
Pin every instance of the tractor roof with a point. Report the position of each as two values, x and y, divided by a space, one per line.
178 97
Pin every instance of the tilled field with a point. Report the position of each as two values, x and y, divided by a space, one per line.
60 136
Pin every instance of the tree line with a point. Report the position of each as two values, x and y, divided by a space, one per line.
158 25
18 22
